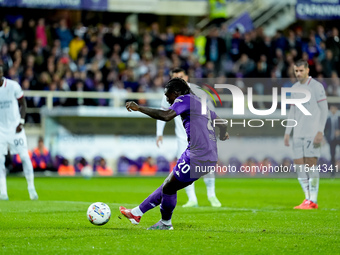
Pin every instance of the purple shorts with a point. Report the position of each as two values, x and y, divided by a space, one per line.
188 170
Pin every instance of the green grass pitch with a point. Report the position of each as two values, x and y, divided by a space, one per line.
256 218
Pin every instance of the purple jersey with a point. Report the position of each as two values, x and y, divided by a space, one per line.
201 135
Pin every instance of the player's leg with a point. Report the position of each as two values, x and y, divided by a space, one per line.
149 203
314 177
153 200
209 180
166 195
303 176
19 146
3 184
169 200
312 153
134 215
29 174
299 164
180 177
156 197
182 144
192 198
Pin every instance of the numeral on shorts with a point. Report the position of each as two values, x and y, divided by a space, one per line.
18 142
184 167
309 142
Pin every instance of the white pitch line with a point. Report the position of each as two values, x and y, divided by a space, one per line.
84 202
192 209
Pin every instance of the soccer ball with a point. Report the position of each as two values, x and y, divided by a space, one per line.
98 213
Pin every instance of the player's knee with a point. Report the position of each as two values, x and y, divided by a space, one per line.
299 161
311 161
166 189
24 156
169 189
314 174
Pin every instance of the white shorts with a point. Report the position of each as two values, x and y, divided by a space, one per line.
16 143
304 148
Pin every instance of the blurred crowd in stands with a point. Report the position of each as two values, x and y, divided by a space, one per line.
111 57
55 56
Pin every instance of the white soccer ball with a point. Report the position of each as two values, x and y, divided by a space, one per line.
99 213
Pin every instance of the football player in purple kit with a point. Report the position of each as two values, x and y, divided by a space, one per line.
201 152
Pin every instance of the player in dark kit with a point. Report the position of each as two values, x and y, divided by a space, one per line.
201 152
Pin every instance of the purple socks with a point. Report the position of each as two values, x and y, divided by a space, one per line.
152 201
168 203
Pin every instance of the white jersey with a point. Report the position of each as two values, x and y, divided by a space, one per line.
10 92
307 125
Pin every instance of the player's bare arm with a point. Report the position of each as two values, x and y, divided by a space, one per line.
23 107
166 115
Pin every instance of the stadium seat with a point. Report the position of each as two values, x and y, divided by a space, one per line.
96 161
253 160
287 162
58 159
235 162
128 166
78 163
162 164
288 159
123 165
140 161
149 167
273 162
100 167
322 162
16 161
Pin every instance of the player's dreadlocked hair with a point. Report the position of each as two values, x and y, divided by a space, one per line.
178 85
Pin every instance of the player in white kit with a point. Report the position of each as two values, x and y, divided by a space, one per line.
308 134
12 133
182 143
